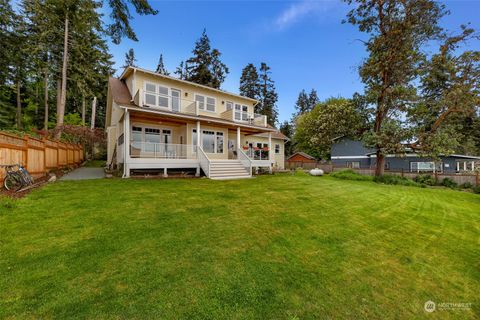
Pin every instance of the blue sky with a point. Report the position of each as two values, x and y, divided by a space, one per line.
304 41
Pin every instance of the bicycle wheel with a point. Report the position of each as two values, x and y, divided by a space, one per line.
13 182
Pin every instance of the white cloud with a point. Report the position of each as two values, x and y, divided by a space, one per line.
299 11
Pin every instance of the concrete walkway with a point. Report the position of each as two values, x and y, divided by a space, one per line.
84 173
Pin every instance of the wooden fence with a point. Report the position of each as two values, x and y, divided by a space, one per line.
459 178
38 156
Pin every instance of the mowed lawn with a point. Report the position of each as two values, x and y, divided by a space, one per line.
273 247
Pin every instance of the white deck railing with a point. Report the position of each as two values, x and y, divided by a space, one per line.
245 160
204 161
162 150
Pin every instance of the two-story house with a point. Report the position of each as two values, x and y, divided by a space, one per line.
160 122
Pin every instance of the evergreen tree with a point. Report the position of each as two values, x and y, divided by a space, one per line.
130 59
287 129
181 71
313 99
303 103
268 96
161 67
205 66
249 82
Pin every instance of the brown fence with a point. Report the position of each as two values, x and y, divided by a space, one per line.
38 156
459 178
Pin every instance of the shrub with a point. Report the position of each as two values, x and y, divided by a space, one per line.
395 180
425 179
476 189
349 174
449 183
300 172
466 185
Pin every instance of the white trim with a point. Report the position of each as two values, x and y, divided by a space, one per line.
350 157
205 102
185 116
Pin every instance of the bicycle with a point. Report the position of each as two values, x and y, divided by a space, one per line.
16 177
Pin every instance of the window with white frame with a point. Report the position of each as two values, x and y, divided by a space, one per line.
205 103
212 142
194 140
277 148
353 164
161 96
229 105
241 112
425 166
467 165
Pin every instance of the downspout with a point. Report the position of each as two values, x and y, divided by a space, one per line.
125 150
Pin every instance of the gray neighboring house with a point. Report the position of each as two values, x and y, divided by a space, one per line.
350 153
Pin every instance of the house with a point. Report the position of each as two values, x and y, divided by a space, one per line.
351 153
299 159
158 122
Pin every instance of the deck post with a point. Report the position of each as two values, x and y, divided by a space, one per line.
197 173
198 135
165 174
238 138
270 158
126 142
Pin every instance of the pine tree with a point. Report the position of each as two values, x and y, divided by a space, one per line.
268 96
130 59
303 104
181 71
313 99
249 82
161 67
287 129
205 66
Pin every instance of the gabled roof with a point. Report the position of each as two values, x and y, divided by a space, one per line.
120 92
130 69
303 154
275 135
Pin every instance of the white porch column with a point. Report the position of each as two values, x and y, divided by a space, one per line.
198 134
270 157
238 138
473 165
126 143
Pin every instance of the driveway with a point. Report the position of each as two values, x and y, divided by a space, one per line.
84 173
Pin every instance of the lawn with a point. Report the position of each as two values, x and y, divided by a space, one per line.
274 247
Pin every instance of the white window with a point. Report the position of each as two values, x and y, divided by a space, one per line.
229 105
277 148
194 140
353 164
201 101
161 96
241 112
426 166
465 166
212 142
211 104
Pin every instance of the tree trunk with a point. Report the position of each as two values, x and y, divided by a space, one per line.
380 168
63 94
45 100
83 110
19 106
94 110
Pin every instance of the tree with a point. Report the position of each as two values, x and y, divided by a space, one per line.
303 104
268 96
161 67
312 99
205 66
287 129
181 71
130 59
315 130
397 30
249 82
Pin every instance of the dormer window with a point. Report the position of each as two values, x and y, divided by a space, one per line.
161 96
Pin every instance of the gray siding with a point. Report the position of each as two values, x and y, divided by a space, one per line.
349 147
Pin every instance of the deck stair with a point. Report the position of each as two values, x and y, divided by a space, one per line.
228 169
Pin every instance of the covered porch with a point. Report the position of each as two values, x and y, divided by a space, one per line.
163 142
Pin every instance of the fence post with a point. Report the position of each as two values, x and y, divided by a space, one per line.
44 141
25 141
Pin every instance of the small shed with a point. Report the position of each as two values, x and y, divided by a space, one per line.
301 160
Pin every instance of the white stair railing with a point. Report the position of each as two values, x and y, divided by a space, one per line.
204 161
245 160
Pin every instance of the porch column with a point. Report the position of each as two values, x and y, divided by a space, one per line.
126 143
270 157
473 166
198 134
238 137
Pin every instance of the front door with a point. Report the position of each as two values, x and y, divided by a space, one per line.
167 141
231 149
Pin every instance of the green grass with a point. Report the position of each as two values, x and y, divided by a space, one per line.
274 247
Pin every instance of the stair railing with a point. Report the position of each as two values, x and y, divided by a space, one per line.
245 160
204 161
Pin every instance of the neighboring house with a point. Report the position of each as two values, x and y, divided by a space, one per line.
298 159
160 122
347 152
